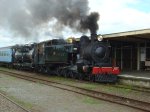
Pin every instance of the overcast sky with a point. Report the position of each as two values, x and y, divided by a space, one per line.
115 16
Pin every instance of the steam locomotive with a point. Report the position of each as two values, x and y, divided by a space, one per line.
83 59
95 61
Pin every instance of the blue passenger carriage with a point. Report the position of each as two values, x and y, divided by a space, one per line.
6 56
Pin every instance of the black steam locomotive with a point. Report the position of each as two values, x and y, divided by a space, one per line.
95 61
83 59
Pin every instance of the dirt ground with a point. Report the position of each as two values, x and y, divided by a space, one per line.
41 98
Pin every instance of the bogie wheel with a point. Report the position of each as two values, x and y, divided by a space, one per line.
81 77
40 69
91 78
64 73
70 74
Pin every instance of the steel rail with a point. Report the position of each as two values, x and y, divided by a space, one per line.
18 105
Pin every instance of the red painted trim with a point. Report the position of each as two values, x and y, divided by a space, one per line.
105 70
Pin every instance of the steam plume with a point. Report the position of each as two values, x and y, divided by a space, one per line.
90 22
23 17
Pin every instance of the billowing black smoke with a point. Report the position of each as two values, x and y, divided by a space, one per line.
90 22
24 17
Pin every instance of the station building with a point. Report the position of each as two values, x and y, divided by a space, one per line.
131 49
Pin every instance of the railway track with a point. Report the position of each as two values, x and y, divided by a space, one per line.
141 105
121 86
117 85
138 89
13 102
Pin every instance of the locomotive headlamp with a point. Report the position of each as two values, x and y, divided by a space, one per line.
85 68
100 38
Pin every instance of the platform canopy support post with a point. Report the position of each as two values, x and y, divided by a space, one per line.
138 56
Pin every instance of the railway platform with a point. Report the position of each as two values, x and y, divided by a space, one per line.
135 78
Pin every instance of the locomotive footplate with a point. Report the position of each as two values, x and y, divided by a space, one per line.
106 78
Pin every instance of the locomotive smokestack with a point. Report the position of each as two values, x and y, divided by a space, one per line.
93 37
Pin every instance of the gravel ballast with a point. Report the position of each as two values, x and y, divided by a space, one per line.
8 106
41 98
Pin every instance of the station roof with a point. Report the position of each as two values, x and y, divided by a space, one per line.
133 36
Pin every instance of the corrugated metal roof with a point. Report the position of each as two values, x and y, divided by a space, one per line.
128 33
142 35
